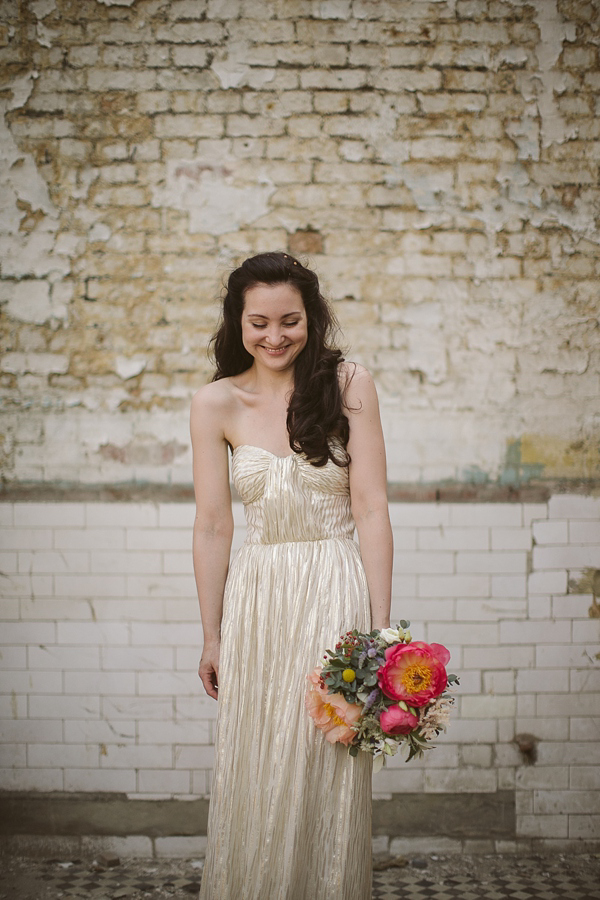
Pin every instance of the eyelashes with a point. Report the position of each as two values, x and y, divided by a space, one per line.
285 325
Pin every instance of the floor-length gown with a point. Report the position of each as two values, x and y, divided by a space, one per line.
290 813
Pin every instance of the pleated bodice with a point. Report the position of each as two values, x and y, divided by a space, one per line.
287 499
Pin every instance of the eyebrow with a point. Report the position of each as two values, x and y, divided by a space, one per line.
262 315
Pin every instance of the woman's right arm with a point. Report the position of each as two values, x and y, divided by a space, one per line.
213 525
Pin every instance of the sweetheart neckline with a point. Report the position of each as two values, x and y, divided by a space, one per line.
262 450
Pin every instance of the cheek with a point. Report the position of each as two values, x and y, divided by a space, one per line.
302 336
248 334
246 342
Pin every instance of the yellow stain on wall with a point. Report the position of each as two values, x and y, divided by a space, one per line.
560 458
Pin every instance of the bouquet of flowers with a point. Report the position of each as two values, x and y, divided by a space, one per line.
379 690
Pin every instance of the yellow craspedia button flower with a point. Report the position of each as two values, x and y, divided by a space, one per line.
348 675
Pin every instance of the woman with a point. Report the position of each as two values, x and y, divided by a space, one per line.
290 814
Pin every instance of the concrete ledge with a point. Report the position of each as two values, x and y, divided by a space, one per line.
138 847
455 817
436 492
100 814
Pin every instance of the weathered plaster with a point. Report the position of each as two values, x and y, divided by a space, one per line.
130 367
231 65
117 2
439 165
543 85
42 8
34 254
208 190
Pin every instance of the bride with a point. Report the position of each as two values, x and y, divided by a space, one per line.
290 813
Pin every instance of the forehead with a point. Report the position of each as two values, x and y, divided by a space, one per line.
270 300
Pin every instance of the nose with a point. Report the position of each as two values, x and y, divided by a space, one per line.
275 337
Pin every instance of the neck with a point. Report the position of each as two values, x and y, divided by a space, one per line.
272 382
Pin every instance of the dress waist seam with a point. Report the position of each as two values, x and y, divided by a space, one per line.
341 537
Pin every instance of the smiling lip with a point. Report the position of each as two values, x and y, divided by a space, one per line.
276 350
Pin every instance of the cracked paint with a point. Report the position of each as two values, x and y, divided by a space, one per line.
445 189
208 190
34 251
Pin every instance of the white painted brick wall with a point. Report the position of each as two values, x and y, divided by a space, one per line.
101 635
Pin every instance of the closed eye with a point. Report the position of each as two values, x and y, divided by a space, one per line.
285 324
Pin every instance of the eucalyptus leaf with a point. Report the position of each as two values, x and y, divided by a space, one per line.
378 763
337 663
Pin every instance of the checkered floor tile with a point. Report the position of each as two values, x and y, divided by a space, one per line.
405 885
472 878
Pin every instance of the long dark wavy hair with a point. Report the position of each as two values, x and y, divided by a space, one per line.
315 411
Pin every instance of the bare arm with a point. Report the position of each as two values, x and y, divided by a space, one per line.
213 526
368 491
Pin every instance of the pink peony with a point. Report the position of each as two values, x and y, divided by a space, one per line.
395 720
332 714
415 672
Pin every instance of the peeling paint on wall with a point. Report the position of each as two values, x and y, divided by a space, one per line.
117 2
30 247
208 190
438 164
543 86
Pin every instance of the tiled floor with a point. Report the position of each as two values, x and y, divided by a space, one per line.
518 886
429 878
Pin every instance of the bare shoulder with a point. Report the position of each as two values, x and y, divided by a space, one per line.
357 384
211 409
212 398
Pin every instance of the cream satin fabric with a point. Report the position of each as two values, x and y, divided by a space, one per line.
290 814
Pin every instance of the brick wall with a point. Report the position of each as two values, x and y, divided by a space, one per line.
436 161
101 636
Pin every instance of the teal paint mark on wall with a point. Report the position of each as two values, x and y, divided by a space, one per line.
474 475
515 470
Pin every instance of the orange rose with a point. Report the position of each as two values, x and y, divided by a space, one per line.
332 714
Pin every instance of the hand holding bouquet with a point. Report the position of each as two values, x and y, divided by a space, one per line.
379 690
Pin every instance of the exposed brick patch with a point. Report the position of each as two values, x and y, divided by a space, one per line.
310 242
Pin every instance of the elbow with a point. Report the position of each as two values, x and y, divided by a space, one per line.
370 509
213 528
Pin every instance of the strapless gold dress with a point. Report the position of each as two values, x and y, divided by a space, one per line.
290 813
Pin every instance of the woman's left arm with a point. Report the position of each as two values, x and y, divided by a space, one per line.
368 490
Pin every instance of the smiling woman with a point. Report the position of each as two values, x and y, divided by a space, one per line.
274 324
290 813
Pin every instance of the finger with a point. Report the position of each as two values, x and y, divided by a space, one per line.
209 686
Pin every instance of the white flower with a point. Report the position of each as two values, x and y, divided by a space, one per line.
391 635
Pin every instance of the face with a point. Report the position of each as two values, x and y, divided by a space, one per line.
274 325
